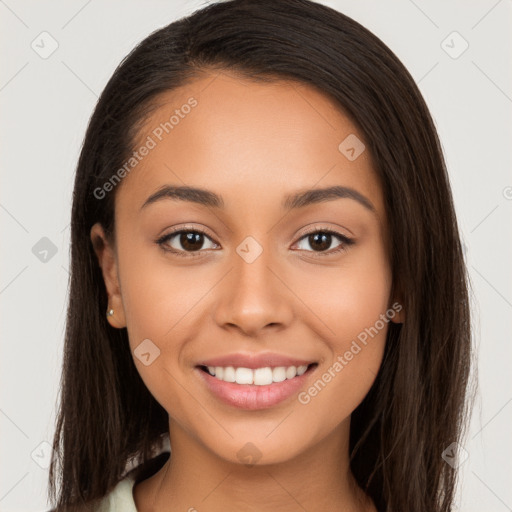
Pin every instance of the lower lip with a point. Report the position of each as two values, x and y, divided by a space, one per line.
252 397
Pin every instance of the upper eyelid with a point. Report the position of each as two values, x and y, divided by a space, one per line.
318 227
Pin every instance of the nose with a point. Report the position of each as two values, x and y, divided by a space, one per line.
254 297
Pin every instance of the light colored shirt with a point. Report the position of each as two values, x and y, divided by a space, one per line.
120 499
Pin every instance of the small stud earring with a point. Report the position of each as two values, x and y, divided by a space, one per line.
110 312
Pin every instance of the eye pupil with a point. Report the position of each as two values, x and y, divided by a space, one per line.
191 241
324 240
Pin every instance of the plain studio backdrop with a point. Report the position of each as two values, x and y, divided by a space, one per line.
56 59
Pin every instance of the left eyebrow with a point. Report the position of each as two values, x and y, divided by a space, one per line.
193 194
297 200
320 195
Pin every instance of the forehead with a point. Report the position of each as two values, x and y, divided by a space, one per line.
248 139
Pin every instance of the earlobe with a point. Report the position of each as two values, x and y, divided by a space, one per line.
397 312
107 261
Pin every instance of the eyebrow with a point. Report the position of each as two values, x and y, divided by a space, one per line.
292 201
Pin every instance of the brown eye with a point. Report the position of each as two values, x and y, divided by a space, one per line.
321 241
191 241
185 241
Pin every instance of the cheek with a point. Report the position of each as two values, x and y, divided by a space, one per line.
162 301
158 295
158 301
351 302
350 298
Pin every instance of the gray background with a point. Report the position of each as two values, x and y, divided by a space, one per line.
46 103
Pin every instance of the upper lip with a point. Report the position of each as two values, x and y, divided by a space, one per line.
253 361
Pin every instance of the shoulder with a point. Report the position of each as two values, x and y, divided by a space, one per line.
120 499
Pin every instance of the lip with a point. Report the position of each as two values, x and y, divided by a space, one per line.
251 396
253 361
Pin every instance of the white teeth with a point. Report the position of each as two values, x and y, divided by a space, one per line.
302 369
229 374
259 376
279 373
263 376
291 371
243 376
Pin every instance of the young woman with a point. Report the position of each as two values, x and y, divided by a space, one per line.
266 275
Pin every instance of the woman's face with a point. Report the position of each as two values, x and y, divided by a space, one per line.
264 278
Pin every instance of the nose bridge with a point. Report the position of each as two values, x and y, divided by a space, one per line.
253 282
253 296
251 268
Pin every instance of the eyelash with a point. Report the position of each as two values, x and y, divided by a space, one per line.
345 242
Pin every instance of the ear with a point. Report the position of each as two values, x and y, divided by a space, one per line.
399 311
107 260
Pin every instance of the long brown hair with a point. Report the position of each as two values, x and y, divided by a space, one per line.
418 404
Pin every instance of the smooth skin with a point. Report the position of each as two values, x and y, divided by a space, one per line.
253 144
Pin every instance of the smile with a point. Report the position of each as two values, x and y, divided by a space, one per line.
258 388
